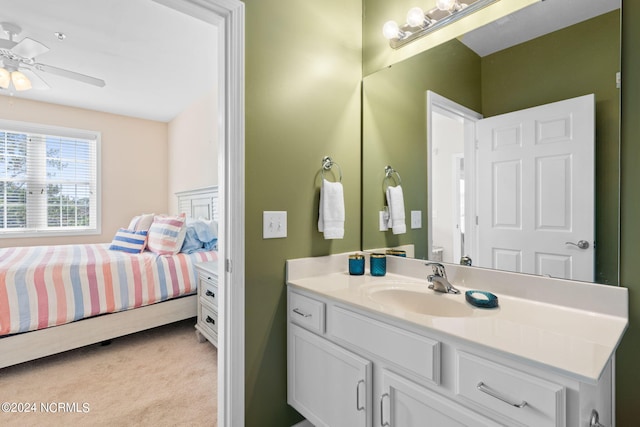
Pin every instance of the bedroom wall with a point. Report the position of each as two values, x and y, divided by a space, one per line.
134 159
193 148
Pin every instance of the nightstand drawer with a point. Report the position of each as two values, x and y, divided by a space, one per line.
209 292
306 312
526 399
210 318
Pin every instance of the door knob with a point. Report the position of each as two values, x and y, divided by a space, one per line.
582 244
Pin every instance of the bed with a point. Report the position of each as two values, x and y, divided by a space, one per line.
56 298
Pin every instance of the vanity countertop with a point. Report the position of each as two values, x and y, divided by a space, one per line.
575 339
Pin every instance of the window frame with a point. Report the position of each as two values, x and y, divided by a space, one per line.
60 132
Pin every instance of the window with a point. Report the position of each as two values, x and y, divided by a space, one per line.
48 180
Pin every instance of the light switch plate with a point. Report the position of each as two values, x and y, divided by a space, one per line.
416 219
384 221
274 224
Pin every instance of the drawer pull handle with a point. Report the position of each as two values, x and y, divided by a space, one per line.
301 313
210 294
211 320
594 421
383 423
358 407
483 388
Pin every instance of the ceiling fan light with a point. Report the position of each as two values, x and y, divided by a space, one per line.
5 78
20 81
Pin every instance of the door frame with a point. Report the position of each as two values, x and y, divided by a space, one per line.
228 16
440 104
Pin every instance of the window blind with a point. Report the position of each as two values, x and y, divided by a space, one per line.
48 182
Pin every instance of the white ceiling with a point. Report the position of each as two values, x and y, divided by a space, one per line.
155 61
534 21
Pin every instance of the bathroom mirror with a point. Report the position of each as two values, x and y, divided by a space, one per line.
579 59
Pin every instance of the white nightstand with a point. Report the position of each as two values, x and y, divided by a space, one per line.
207 325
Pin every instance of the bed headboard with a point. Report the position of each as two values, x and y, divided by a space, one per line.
199 203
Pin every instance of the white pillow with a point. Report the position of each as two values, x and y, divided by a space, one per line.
141 222
144 223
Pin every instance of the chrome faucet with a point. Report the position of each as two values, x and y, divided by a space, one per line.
438 280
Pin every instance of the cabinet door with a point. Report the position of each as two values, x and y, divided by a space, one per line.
327 384
406 404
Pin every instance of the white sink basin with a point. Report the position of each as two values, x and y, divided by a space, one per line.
417 298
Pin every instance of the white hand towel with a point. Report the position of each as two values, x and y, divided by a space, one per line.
331 215
395 201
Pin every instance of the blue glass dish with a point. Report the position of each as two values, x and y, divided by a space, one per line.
472 297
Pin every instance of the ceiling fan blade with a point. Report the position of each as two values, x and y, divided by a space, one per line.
36 81
29 48
70 74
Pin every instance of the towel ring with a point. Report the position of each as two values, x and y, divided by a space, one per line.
327 164
389 173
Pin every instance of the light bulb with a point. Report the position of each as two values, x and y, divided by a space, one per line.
5 78
445 4
415 17
391 30
20 81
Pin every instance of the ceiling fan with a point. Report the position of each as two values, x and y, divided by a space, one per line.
19 65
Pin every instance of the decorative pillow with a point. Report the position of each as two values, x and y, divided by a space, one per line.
166 234
141 222
198 236
130 241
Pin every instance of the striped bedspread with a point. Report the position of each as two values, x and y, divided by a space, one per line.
45 286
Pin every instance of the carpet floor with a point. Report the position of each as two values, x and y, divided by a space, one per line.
159 377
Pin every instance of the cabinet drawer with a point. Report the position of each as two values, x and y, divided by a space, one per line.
306 312
521 397
412 353
209 292
209 318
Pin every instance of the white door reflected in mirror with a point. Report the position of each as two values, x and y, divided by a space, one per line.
529 188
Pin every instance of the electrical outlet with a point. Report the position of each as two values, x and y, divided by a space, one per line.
274 224
384 221
416 219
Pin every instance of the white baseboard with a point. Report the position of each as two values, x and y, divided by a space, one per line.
304 423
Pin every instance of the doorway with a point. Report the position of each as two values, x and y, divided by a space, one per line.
228 17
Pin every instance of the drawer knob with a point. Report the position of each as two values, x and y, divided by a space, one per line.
211 320
483 388
210 294
301 313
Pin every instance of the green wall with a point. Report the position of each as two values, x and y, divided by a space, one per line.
628 354
303 74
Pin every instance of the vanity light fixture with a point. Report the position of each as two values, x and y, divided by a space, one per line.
420 23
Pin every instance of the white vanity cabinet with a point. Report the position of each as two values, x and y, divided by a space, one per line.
354 367
207 323
330 385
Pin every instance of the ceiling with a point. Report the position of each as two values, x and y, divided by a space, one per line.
155 61
540 18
